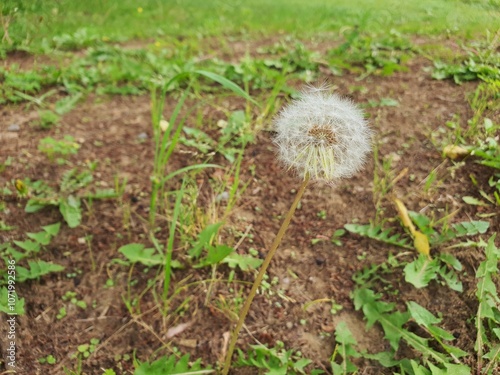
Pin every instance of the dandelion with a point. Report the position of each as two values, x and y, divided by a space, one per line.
323 136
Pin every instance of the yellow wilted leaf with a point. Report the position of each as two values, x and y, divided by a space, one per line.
401 174
403 215
453 152
421 243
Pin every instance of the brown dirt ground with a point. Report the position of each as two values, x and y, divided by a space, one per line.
107 129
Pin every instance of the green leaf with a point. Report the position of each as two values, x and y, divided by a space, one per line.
226 84
494 354
377 233
215 255
36 269
71 211
30 246
204 239
346 349
377 311
453 350
458 369
466 228
17 308
343 335
419 370
392 323
421 271
102 194
451 278
450 369
389 102
197 139
423 316
52 229
16 255
43 238
423 222
35 205
473 201
244 262
471 228
137 253
487 295
386 359
66 104
301 363
451 261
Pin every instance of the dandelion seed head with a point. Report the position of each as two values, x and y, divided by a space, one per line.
322 135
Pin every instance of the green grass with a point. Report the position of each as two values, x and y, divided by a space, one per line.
38 22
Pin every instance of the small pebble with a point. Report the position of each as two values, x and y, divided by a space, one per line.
13 128
285 283
142 136
224 196
289 325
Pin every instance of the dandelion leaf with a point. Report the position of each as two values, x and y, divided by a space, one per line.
421 271
71 211
204 239
379 234
346 349
137 253
451 279
471 228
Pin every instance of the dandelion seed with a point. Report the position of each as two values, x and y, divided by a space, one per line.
323 136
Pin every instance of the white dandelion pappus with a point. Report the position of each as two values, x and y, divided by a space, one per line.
322 136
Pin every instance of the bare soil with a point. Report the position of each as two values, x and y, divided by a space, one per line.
107 129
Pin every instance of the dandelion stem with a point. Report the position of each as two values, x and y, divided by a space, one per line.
260 276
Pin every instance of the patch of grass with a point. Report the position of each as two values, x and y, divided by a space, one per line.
62 148
65 24
67 197
367 54
482 63
18 85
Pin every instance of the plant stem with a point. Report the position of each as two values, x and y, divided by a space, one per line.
260 276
